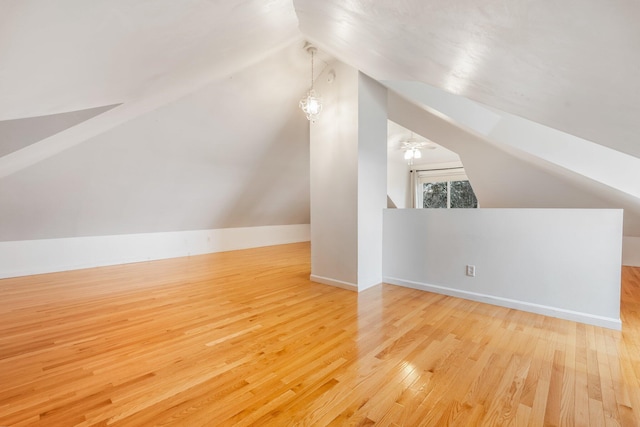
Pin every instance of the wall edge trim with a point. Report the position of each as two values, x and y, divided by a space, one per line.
332 282
590 319
28 257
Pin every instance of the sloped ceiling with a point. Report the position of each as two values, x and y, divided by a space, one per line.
69 55
432 153
20 133
216 158
572 65
506 178
196 79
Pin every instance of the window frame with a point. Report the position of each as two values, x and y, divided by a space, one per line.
438 175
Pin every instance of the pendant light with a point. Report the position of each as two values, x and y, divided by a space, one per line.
311 103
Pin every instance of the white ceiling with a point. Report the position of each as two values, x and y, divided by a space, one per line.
572 65
69 55
432 153
215 158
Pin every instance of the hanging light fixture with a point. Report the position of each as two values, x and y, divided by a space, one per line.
311 104
412 148
412 153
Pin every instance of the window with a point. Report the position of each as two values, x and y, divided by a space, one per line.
445 188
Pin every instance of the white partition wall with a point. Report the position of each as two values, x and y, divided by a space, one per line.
560 262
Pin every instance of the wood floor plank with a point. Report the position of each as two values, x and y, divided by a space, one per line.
244 338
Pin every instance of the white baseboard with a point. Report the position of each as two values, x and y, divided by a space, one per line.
560 313
332 282
631 251
26 257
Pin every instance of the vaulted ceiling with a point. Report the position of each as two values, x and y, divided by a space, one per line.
569 65
68 55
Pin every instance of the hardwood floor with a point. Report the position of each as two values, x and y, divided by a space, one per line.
244 338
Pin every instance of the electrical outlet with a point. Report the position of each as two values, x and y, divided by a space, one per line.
471 270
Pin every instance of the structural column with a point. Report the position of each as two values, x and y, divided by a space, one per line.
348 179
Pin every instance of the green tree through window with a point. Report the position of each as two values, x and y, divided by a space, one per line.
462 195
448 194
434 195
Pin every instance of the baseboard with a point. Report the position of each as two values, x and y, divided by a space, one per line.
560 313
26 257
333 282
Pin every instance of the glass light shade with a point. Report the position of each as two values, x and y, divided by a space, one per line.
417 154
408 155
311 104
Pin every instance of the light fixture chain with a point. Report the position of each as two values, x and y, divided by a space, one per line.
312 69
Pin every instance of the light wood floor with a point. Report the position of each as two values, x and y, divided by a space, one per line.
243 338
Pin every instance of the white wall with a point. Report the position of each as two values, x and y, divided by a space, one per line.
631 251
372 178
334 179
398 187
558 262
26 257
348 179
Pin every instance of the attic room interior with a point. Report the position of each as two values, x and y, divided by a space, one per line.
454 239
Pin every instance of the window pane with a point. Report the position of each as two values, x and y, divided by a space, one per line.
462 195
434 194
